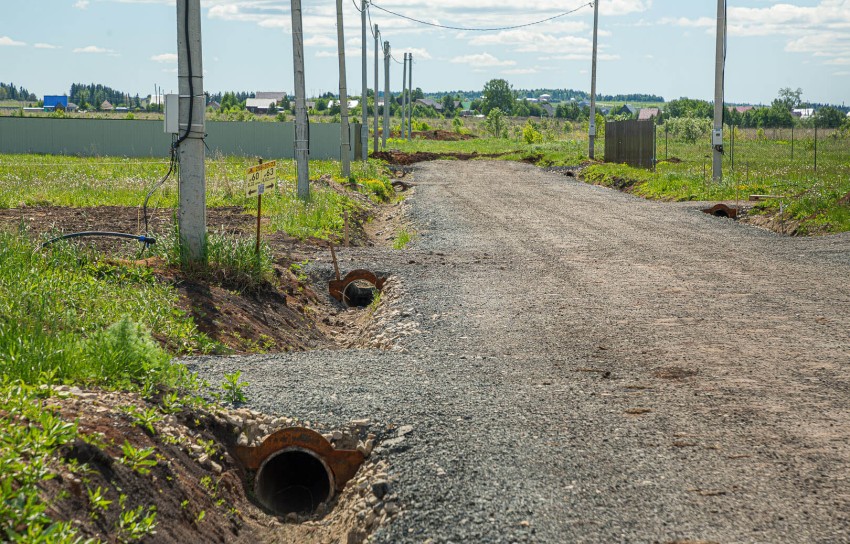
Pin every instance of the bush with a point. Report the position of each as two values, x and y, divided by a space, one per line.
689 129
530 134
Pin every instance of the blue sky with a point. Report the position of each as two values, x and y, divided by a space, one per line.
662 47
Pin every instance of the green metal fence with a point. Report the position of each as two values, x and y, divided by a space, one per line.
137 138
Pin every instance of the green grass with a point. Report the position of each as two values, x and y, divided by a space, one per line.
67 316
402 239
73 181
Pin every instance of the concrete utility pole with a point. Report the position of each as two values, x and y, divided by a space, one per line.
302 131
345 132
720 67
592 124
403 97
387 98
364 105
410 96
192 211
375 135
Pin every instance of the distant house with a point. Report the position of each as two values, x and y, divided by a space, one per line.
106 106
214 105
351 103
803 113
645 114
53 102
259 105
277 96
545 97
625 109
432 103
72 107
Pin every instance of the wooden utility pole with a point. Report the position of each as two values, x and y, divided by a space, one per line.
375 135
192 211
345 132
404 97
387 98
592 124
364 105
719 69
302 131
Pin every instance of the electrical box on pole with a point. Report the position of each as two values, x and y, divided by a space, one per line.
172 114
192 206
302 131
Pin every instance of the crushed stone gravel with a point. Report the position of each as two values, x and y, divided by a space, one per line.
588 366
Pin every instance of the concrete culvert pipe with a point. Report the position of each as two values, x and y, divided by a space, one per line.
294 480
359 293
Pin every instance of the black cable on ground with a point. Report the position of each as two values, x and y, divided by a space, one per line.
146 240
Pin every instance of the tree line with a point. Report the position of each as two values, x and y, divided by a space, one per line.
8 91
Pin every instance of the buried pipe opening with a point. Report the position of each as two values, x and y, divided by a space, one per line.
293 480
722 210
359 293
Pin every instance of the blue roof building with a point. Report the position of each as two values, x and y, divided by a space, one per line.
52 101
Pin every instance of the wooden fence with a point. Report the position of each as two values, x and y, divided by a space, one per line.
630 142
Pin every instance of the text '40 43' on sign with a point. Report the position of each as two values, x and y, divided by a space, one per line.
260 177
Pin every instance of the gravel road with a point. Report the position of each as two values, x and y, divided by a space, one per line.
592 367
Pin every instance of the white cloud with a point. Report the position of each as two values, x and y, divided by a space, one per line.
325 54
419 53
46 46
165 57
822 30
6 40
481 59
520 71
318 40
82 4
93 49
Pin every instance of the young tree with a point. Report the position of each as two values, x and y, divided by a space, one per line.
829 117
498 93
495 123
789 98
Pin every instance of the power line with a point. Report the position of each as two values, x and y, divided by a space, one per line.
448 27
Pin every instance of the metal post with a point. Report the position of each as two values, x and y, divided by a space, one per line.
404 97
792 143
592 124
302 130
345 132
720 64
191 215
375 126
364 108
410 96
387 98
816 147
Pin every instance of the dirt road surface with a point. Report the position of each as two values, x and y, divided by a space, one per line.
586 366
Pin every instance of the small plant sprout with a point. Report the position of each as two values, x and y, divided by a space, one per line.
97 502
137 458
233 388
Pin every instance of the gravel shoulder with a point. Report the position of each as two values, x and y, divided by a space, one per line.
580 365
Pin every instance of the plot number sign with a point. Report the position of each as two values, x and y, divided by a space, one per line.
261 177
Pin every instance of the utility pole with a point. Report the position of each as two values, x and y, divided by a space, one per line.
302 131
720 67
386 94
410 97
375 135
364 106
345 132
403 97
592 124
192 211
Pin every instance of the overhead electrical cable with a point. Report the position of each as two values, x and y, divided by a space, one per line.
470 29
